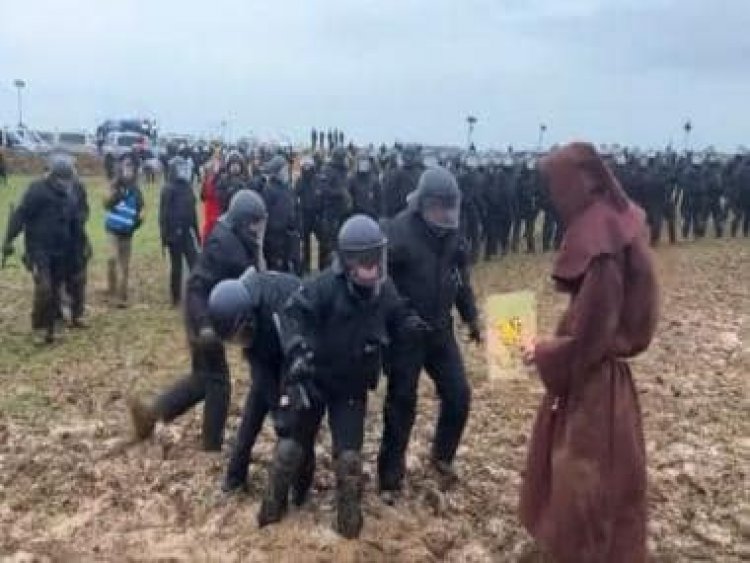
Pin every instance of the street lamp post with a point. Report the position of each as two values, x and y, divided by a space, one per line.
542 131
472 121
20 85
688 127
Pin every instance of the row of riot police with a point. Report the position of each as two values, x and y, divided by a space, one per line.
703 189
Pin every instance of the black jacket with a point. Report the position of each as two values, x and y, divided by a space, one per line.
367 195
398 184
431 273
227 185
269 292
224 256
46 214
346 334
177 214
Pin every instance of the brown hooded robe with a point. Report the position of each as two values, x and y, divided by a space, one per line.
584 491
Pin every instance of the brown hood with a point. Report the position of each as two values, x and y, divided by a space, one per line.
599 217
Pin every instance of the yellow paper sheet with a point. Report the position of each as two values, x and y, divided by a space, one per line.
511 319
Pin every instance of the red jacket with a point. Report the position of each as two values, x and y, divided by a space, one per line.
211 208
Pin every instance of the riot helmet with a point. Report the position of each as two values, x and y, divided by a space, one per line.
231 310
362 254
438 200
180 170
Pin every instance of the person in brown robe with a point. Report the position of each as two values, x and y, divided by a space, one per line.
584 489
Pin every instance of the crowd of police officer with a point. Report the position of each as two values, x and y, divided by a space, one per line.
396 235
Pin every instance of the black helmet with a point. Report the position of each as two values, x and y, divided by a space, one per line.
230 308
246 217
362 253
180 169
338 157
409 156
277 168
61 167
438 199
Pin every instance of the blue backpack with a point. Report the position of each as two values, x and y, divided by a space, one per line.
120 220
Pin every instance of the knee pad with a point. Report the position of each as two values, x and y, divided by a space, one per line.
288 454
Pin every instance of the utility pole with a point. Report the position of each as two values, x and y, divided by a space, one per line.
542 131
688 127
20 85
471 121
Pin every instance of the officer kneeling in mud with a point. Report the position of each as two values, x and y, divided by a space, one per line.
246 312
231 248
334 331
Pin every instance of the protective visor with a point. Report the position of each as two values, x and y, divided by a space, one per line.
442 212
366 268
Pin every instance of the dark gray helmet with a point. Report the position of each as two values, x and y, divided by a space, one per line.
61 167
180 169
276 168
230 309
438 199
410 155
246 207
362 252
338 157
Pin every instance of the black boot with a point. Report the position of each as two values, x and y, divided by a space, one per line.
285 466
303 482
348 494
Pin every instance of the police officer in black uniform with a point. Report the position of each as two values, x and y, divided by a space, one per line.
230 249
47 216
365 189
246 311
178 222
334 207
281 245
308 200
429 265
335 330
401 181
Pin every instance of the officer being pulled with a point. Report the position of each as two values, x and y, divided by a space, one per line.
334 331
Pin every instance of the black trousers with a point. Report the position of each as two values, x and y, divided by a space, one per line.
48 271
208 381
306 232
346 420
262 399
181 247
441 358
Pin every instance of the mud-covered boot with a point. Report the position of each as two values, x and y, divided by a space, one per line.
447 476
349 494
144 418
285 466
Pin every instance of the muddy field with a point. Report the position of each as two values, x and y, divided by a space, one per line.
72 489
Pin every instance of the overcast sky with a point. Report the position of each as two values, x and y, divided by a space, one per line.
628 71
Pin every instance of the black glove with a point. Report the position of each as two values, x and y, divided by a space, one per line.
475 332
416 324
